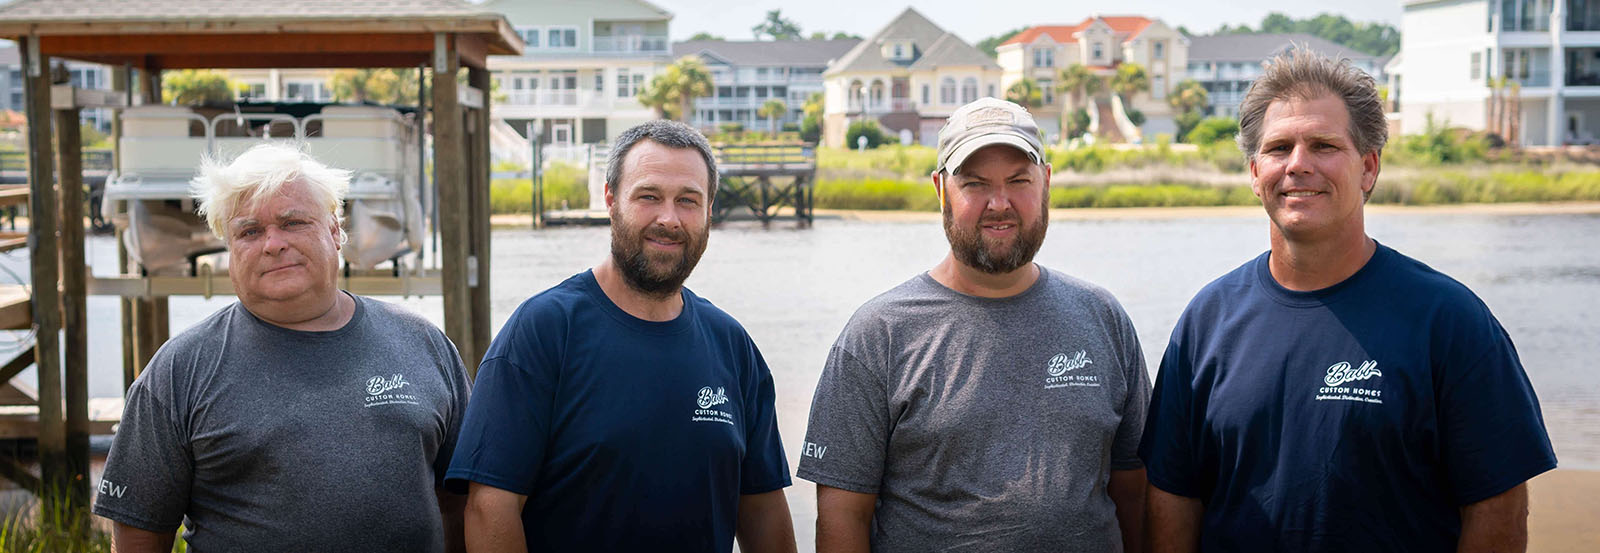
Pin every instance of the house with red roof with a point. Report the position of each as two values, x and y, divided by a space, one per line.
1101 44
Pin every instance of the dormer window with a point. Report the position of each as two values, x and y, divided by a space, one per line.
899 50
1099 51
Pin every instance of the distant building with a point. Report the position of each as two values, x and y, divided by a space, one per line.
1226 64
1455 49
283 85
908 77
749 73
584 63
1101 44
84 75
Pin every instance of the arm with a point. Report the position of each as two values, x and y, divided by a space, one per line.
764 523
1126 489
1498 524
844 520
1172 522
132 539
494 520
450 511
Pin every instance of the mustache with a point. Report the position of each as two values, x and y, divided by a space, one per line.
661 232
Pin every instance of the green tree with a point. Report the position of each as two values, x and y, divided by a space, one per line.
1130 80
1076 81
1375 38
193 87
777 26
1189 95
383 86
1214 129
867 128
989 44
1025 93
702 35
672 92
772 110
1186 122
811 124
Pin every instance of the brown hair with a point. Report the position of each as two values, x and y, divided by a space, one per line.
1304 74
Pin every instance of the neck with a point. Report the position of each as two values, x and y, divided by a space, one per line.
316 316
1304 266
633 302
957 276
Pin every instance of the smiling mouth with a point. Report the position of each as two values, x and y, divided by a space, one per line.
1301 194
664 243
270 271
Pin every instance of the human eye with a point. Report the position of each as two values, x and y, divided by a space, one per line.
688 201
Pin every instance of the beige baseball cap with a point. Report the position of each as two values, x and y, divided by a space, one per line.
986 122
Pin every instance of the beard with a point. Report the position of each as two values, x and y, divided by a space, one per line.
655 274
992 256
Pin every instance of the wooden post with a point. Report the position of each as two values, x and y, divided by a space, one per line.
74 290
450 178
478 78
150 321
121 81
45 250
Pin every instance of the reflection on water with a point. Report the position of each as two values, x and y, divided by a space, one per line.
794 289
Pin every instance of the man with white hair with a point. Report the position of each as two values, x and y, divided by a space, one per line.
301 418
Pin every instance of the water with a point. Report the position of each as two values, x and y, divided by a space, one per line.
794 289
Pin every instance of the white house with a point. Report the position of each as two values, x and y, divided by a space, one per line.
749 73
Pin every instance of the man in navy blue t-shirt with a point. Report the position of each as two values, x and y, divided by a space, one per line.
618 411
1333 394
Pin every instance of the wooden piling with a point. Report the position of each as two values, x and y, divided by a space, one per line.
449 177
74 308
45 249
478 192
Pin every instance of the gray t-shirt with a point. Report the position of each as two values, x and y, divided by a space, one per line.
270 439
982 424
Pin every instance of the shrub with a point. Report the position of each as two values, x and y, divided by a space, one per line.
867 128
1135 116
1212 130
1186 122
731 127
876 194
562 183
811 129
1437 144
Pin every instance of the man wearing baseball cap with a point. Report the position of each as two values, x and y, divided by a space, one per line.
989 404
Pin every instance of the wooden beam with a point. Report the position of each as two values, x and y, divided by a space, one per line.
200 60
478 164
491 24
23 360
122 82
450 179
244 43
11 470
46 261
63 96
473 52
16 307
74 302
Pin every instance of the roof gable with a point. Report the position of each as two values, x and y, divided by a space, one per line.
1260 47
1124 27
932 46
768 52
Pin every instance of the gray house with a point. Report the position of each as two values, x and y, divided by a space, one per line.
1227 64
748 73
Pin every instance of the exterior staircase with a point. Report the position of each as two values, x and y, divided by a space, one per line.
1108 131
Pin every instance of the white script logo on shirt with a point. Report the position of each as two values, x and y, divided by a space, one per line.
1339 377
1063 363
381 391
707 398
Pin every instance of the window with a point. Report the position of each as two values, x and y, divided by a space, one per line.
1159 51
1044 57
530 36
925 95
254 91
969 90
599 81
1158 87
1476 71
899 51
1099 51
562 37
991 92
1047 90
947 91
629 83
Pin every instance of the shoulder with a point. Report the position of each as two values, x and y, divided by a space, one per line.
1082 292
896 304
717 321
391 315
1408 277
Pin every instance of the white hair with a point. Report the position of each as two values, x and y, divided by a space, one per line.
222 189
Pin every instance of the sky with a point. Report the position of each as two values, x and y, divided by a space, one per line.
973 20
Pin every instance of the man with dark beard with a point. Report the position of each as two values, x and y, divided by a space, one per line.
618 411
988 404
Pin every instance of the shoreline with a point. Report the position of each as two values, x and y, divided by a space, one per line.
1161 213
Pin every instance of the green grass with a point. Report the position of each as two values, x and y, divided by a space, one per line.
562 182
882 194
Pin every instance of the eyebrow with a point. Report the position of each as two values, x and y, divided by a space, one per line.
1023 172
286 214
657 189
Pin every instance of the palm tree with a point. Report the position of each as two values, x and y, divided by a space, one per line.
1025 93
1189 95
1077 82
672 92
772 110
1130 79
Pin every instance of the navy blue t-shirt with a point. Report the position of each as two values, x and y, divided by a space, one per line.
625 434
1359 417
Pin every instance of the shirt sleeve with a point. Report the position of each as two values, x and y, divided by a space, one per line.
1125 446
506 430
150 470
455 373
1168 445
1493 432
765 467
848 431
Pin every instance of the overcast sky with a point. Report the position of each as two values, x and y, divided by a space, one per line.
973 20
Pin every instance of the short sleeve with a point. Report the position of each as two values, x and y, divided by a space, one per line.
149 471
455 373
1493 432
848 431
1125 446
507 426
1168 445
765 468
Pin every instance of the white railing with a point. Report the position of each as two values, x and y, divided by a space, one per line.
885 106
632 44
573 98
1130 132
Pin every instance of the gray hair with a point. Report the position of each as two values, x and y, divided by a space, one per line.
671 134
256 175
1304 74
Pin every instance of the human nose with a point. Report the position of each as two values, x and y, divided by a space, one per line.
1299 160
669 218
999 199
274 242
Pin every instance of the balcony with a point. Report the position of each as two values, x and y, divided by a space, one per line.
632 44
556 98
893 105
1528 79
